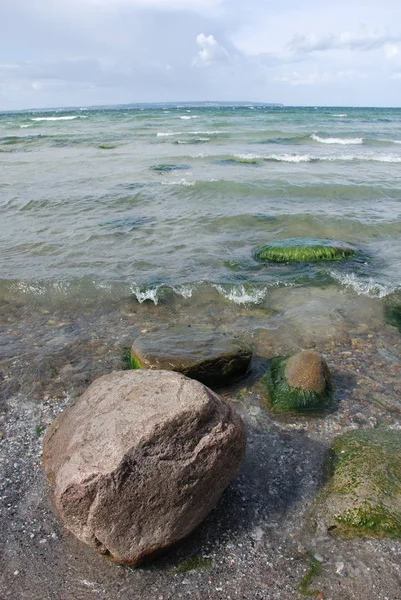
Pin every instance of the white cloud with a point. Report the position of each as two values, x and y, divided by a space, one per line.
211 52
392 51
317 77
363 41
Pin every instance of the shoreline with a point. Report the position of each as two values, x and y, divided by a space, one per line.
258 537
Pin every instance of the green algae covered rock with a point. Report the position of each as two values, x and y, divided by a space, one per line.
363 495
200 353
299 383
304 250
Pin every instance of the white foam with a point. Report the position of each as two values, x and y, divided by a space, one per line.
182 181
291 158
365 287
185 291
25 126
149 294
189 117
240 295
299 158
170 133
340 115
331 140
69 118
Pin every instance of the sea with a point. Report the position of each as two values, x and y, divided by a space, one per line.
159 207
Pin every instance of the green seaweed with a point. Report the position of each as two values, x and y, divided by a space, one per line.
303 250
39 430
194 563
107 146
364 469
134 362
314 569
283 397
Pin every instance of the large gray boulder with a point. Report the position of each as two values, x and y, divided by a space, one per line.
197 352
140 459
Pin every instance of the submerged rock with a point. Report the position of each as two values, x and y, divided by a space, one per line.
140 459
299 383
392 315
304 250
212 358
363 495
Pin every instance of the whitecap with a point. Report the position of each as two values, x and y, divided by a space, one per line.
333 140
365 287
148 294
66 118
185 291
186 117
170 133
240 295
291 158
183 182
25 126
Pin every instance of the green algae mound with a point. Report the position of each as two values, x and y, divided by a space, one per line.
299 383
363 495
304 250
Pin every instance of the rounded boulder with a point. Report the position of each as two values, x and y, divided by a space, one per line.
140 459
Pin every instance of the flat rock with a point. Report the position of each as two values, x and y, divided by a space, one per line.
199 353
362 497
140 459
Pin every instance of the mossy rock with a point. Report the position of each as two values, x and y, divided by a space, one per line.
362 497
304 250
299 383
200 353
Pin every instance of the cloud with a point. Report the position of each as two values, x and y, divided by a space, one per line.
317 77
211 52
364 42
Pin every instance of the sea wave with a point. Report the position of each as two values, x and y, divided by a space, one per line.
364 287
185 118
183 182
171 133
241 294
65 118
334 140
299 158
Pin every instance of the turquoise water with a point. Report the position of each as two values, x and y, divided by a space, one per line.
171 200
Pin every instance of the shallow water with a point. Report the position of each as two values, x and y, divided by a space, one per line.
159 209
135 199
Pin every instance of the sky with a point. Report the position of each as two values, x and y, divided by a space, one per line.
56 53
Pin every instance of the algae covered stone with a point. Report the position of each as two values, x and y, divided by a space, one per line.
304 250
301 382
139 460
200 353
362 497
